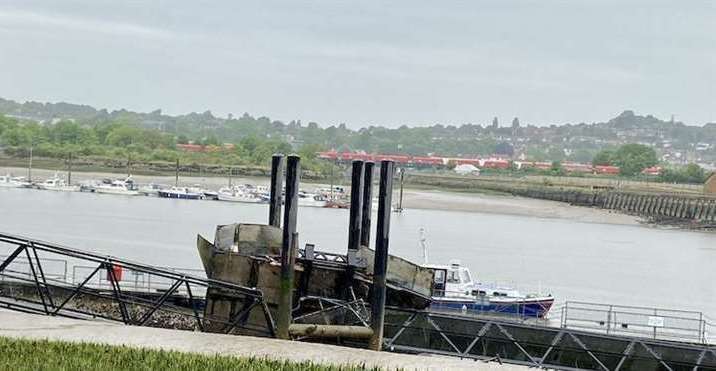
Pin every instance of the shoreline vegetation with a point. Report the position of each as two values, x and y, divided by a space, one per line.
31 355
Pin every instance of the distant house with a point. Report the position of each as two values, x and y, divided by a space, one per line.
610 170
654 170
467 169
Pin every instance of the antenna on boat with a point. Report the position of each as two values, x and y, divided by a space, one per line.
424 245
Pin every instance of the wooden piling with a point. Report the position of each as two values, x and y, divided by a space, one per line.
276 190
380 265
289 244
367 204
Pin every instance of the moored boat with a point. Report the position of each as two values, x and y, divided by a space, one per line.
238 194
183 193
8 181
57 184
117 187
311 199
454 289
150 189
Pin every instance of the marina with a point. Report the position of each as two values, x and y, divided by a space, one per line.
334 288
254 280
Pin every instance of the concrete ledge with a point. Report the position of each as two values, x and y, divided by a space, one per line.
29 326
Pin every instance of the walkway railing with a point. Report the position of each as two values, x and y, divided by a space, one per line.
100 289
655 323
492 339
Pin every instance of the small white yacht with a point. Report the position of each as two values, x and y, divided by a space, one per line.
118 187
238 194
151 189
311 199
8 181
57 184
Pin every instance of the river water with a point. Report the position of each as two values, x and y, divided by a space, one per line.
607 263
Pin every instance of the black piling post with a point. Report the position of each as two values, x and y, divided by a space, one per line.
285 304
354 225
367 204
380 265
276 189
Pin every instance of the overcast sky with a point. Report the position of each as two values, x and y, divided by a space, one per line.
368 62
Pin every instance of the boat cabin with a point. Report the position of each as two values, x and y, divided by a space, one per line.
455 280
451 280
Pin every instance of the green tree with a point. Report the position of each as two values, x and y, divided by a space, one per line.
603 158
633 158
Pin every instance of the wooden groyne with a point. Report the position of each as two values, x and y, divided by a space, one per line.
664 207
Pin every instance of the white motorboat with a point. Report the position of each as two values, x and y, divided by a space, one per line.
311 199
118 187
57 184
8 181
454 288
238 194
151 189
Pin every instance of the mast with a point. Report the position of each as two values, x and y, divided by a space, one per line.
29 166
176 174
332 198
400 201
231 170
424 245
69 169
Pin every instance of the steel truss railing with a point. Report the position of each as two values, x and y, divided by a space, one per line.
178 306
537 346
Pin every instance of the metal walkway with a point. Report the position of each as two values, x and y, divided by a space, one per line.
538 346
101 292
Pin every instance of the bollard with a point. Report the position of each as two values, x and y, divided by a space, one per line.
367 204
276 189
290 240
380 265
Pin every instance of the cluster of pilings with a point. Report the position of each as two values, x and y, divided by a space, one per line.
359 235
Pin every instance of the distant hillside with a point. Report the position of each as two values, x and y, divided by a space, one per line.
675 141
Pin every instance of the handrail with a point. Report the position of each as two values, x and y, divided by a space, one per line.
51 296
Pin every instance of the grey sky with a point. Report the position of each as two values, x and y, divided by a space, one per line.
368 62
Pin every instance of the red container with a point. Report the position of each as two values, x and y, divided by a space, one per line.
117 270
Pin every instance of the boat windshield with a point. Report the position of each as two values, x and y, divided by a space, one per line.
453 276
465 275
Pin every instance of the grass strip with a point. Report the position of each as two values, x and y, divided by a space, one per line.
19 354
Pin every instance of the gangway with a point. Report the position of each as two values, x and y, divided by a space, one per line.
177 304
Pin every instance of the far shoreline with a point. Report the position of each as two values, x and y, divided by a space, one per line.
425 198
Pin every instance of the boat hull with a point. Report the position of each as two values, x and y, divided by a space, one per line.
530 307
238 198
109 191
181 196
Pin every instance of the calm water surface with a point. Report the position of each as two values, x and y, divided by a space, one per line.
577 261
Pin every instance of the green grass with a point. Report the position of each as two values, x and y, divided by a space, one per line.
33 355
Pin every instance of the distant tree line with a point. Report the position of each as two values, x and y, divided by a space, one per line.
129 142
